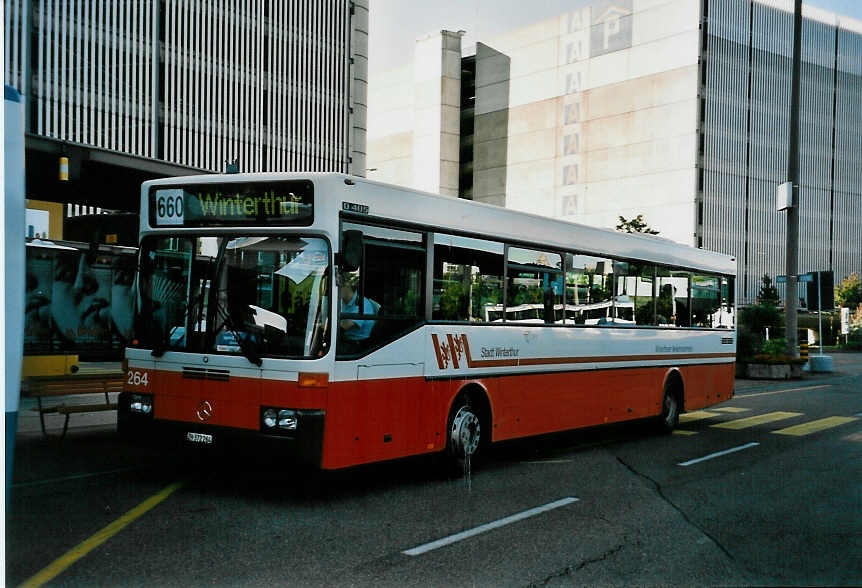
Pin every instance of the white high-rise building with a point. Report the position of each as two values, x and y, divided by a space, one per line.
674 109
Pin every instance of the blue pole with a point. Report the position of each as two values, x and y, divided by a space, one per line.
14 257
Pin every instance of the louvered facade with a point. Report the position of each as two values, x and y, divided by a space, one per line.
746 85
277 85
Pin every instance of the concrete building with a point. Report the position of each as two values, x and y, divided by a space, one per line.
674 109
128 91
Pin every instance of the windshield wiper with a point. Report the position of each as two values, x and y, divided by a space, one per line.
243 342
217 311
163 343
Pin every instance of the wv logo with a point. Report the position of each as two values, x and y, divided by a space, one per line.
453 349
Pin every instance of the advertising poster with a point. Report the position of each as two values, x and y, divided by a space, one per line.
78 300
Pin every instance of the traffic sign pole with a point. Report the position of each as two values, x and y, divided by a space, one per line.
819 314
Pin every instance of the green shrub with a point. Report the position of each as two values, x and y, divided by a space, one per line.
758 317
854 339
774 347
751 330
776 359
747 343
774 351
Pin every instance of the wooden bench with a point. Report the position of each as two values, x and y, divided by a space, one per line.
40 387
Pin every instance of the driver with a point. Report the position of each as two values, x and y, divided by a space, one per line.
353 329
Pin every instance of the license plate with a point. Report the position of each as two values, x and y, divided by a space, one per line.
199 438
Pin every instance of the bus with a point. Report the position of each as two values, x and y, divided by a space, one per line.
333 321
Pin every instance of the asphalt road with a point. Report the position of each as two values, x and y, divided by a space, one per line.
783 507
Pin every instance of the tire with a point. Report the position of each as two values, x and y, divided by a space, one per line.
669 418
465 435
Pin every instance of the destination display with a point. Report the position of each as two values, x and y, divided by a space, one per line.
225 204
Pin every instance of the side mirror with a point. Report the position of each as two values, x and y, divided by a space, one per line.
350 257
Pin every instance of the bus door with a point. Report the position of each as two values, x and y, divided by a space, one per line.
381 310
389 408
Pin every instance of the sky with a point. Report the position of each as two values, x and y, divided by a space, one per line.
396 24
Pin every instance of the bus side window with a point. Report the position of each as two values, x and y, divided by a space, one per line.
705 300
468 279
633 301
384 297
672 299
534 292
589 291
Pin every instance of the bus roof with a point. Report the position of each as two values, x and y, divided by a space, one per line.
444 213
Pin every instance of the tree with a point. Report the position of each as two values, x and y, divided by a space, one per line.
756 319
768 293
635 225
849 292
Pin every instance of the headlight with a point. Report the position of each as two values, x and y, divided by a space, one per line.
141 403
287 420
279 420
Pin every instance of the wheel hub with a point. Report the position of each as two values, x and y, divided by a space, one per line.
465 432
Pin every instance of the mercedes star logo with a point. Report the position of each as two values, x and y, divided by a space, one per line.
205 410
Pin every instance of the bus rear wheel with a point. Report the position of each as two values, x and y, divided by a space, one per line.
669 417
464 434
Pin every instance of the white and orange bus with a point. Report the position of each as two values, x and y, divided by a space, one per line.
341 321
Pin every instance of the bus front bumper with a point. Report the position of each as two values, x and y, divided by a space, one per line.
303 446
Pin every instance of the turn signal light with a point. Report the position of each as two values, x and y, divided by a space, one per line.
308 380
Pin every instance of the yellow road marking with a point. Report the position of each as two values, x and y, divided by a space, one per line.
696 415
814 426
59 565
733 409
683 432
756 420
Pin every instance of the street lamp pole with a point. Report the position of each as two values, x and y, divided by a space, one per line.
792 294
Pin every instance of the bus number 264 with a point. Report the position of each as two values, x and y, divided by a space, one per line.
137 378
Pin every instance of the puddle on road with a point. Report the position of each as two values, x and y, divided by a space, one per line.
468 474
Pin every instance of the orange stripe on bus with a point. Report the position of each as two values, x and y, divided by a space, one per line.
614 358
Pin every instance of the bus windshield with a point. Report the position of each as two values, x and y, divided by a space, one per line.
258 296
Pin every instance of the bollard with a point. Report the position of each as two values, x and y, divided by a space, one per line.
803 351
